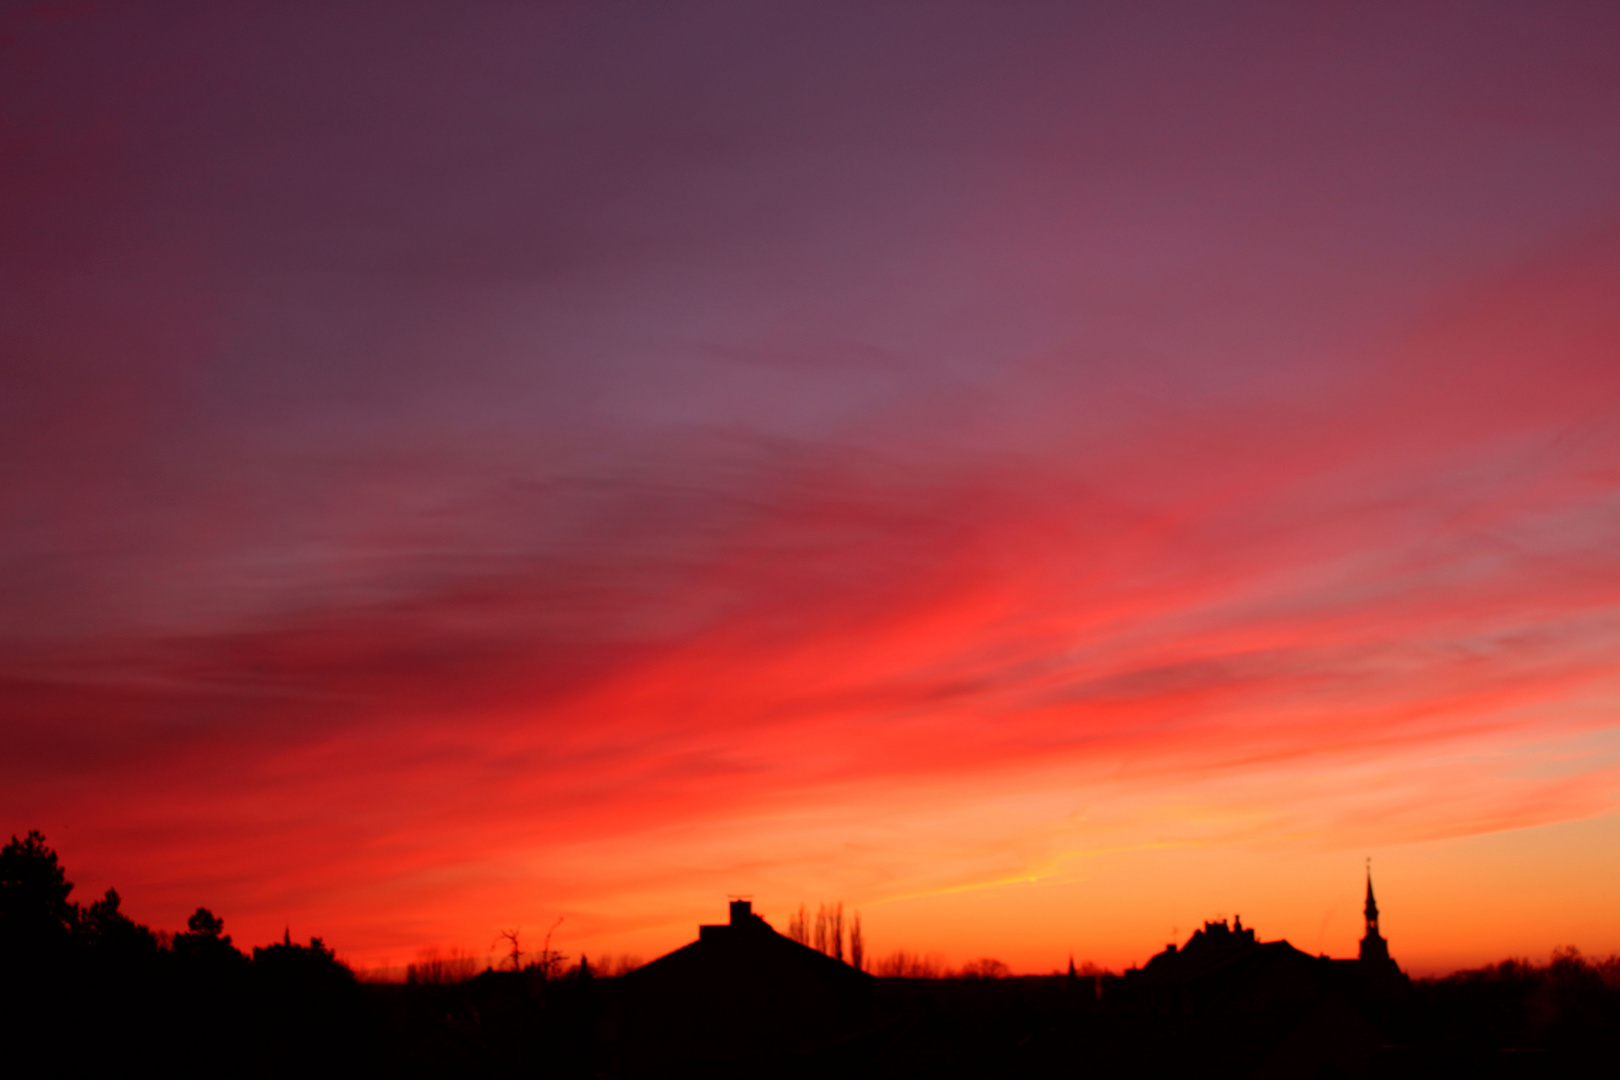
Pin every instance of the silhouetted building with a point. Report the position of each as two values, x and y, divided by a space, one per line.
1373 946
1227 1004
742 999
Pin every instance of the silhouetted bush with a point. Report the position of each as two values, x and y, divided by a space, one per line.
433 968
613 965
310 1013
1567 1012
904 965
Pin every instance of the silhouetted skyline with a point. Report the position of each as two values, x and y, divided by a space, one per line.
85 990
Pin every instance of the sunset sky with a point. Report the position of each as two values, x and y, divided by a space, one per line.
1041 475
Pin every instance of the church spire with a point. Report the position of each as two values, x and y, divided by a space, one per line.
1373 945
1371 910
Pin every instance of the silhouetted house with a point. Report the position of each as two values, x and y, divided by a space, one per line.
1227 1004
740 1000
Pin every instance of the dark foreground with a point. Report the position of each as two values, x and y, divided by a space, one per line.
292 1011
85 991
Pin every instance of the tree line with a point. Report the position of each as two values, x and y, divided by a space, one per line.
826 933
85 987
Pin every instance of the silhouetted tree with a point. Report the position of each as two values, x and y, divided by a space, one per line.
515 952
309 1012
829 930
905 965
89 991
37 921
622 964
857 944
206 924
549 965
211 1020
205 942
113 935
38 954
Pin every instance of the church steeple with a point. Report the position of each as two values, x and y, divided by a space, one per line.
1373 945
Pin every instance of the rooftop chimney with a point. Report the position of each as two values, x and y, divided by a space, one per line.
742 911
